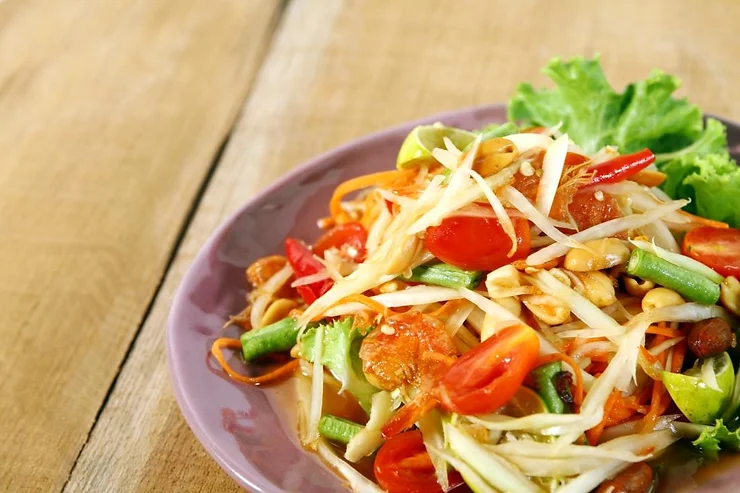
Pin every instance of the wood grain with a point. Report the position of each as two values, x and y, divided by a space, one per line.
111 113
341 69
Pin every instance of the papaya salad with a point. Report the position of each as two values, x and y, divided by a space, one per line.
547 304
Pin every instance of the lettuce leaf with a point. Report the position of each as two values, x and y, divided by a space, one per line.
341 356
646 114
709 440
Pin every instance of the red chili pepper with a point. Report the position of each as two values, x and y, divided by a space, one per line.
305 264
621 167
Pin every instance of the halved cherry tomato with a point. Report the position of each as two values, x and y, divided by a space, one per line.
486 377
304 264
349 238
621 167
403 465
719 248
476 243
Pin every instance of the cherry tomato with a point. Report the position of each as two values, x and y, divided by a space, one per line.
402 465
476 243
719 248
349 238
621 167
486 377
303 263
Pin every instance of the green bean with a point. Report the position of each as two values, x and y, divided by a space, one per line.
280 336
546 388
690 285
338 429
446 275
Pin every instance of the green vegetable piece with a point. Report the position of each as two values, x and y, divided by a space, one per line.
710 439
690 285
341 356
594 114
338 429
543 377
446 275
280 336
693 154
697 401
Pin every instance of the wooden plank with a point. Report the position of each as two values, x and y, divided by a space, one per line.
111 113
340 69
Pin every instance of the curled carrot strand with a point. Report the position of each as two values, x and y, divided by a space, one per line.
661 330
349 186
225 342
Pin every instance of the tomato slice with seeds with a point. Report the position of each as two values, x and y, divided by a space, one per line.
477 243
348 238
487 377
403 465
718 248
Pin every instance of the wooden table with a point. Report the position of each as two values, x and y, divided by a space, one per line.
130 128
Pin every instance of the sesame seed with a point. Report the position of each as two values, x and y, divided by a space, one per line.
599 195
387 330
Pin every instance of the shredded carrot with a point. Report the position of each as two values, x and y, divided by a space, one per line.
354 184
649 178
662 330
225 342
594 434
549 358
703 221
648 355
365 300
658 399
373 204
445 310
679 353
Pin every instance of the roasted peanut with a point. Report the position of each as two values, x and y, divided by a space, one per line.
729 294
547 308
278 310
660 297
597 287
711 337
601 254
263 269
392 286
494 155
503 277
637 287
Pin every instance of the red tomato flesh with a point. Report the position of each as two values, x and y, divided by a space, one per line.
718 248
476 243
402 465
348 238
487 377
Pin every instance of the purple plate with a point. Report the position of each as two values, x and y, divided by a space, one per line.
248 430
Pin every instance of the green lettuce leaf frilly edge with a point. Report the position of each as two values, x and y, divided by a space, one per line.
645 114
